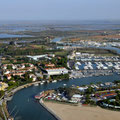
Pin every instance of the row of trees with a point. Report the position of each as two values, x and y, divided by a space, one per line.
25 51
60 62
56 77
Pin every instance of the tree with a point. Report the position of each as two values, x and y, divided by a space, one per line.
27 65
1 93
10 83
92 102
90 90
117 99
9 67
87 99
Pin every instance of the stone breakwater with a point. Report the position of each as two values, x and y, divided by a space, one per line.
50 111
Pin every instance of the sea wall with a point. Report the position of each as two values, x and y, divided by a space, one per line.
50 111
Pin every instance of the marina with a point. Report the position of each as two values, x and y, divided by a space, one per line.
60 60
98 66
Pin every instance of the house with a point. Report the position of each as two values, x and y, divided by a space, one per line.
4 67
22 66
39 75
14 66
18 69
3 86
33 77
18 74
8 76
50 65
76 97
6 72
51 55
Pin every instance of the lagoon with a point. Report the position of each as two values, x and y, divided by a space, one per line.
12 36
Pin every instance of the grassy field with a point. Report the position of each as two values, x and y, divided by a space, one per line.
97 51
61 53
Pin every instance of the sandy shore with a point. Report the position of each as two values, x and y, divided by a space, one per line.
68 112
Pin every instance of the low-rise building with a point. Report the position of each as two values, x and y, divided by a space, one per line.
17 69
76 97
50 65
8 76
57 71
3 86
33 77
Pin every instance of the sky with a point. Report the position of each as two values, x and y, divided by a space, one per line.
59 9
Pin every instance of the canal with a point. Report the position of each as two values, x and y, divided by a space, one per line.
23 106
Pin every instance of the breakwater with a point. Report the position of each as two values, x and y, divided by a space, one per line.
50 111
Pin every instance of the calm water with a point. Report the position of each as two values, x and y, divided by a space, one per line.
26 108
112 48
57 39
12 36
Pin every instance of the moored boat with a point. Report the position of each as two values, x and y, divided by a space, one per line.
40 95
54 81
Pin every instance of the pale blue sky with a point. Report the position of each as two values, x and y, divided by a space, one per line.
59 9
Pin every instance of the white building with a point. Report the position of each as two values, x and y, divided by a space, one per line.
37 57
56 71
76 97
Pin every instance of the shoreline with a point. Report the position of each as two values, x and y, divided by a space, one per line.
49 110
68 112
13 91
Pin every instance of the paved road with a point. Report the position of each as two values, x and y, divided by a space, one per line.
4 114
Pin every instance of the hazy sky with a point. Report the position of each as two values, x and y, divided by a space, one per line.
59 9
